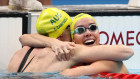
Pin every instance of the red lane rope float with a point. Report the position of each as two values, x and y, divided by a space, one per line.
129 76
137 77
111 74
119 76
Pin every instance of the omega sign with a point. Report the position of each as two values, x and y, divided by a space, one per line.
121 38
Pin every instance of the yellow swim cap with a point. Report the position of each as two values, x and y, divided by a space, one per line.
78 17
52 22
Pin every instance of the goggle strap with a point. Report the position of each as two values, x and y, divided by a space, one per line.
72 32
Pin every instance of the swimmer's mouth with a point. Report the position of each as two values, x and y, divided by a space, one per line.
89 42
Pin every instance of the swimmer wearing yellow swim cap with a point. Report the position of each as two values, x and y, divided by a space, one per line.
78 17
52 22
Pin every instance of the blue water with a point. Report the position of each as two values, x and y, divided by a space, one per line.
49 75
134 71
88 2
37 76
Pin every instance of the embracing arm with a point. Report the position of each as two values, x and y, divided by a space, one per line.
94 68
107 52
35 40
38 40
102 52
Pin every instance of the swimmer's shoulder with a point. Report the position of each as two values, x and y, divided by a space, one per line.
17 58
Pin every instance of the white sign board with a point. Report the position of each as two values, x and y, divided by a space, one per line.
11 29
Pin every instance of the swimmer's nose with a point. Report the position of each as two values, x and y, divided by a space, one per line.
87 33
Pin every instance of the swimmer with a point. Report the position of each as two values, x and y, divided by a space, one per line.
85 31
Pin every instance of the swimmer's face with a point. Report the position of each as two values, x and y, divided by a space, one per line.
88 38
65 36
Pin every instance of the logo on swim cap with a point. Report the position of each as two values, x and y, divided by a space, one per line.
55 18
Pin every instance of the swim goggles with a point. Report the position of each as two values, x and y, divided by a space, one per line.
81 29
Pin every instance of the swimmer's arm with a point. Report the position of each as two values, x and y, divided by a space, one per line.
102 52
94 68
35 40
61 49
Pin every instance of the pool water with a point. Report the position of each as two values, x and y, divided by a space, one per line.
37 76
30 75
134 71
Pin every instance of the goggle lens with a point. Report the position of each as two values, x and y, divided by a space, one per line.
92 27
80 30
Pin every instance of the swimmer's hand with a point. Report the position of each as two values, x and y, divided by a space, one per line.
62 49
